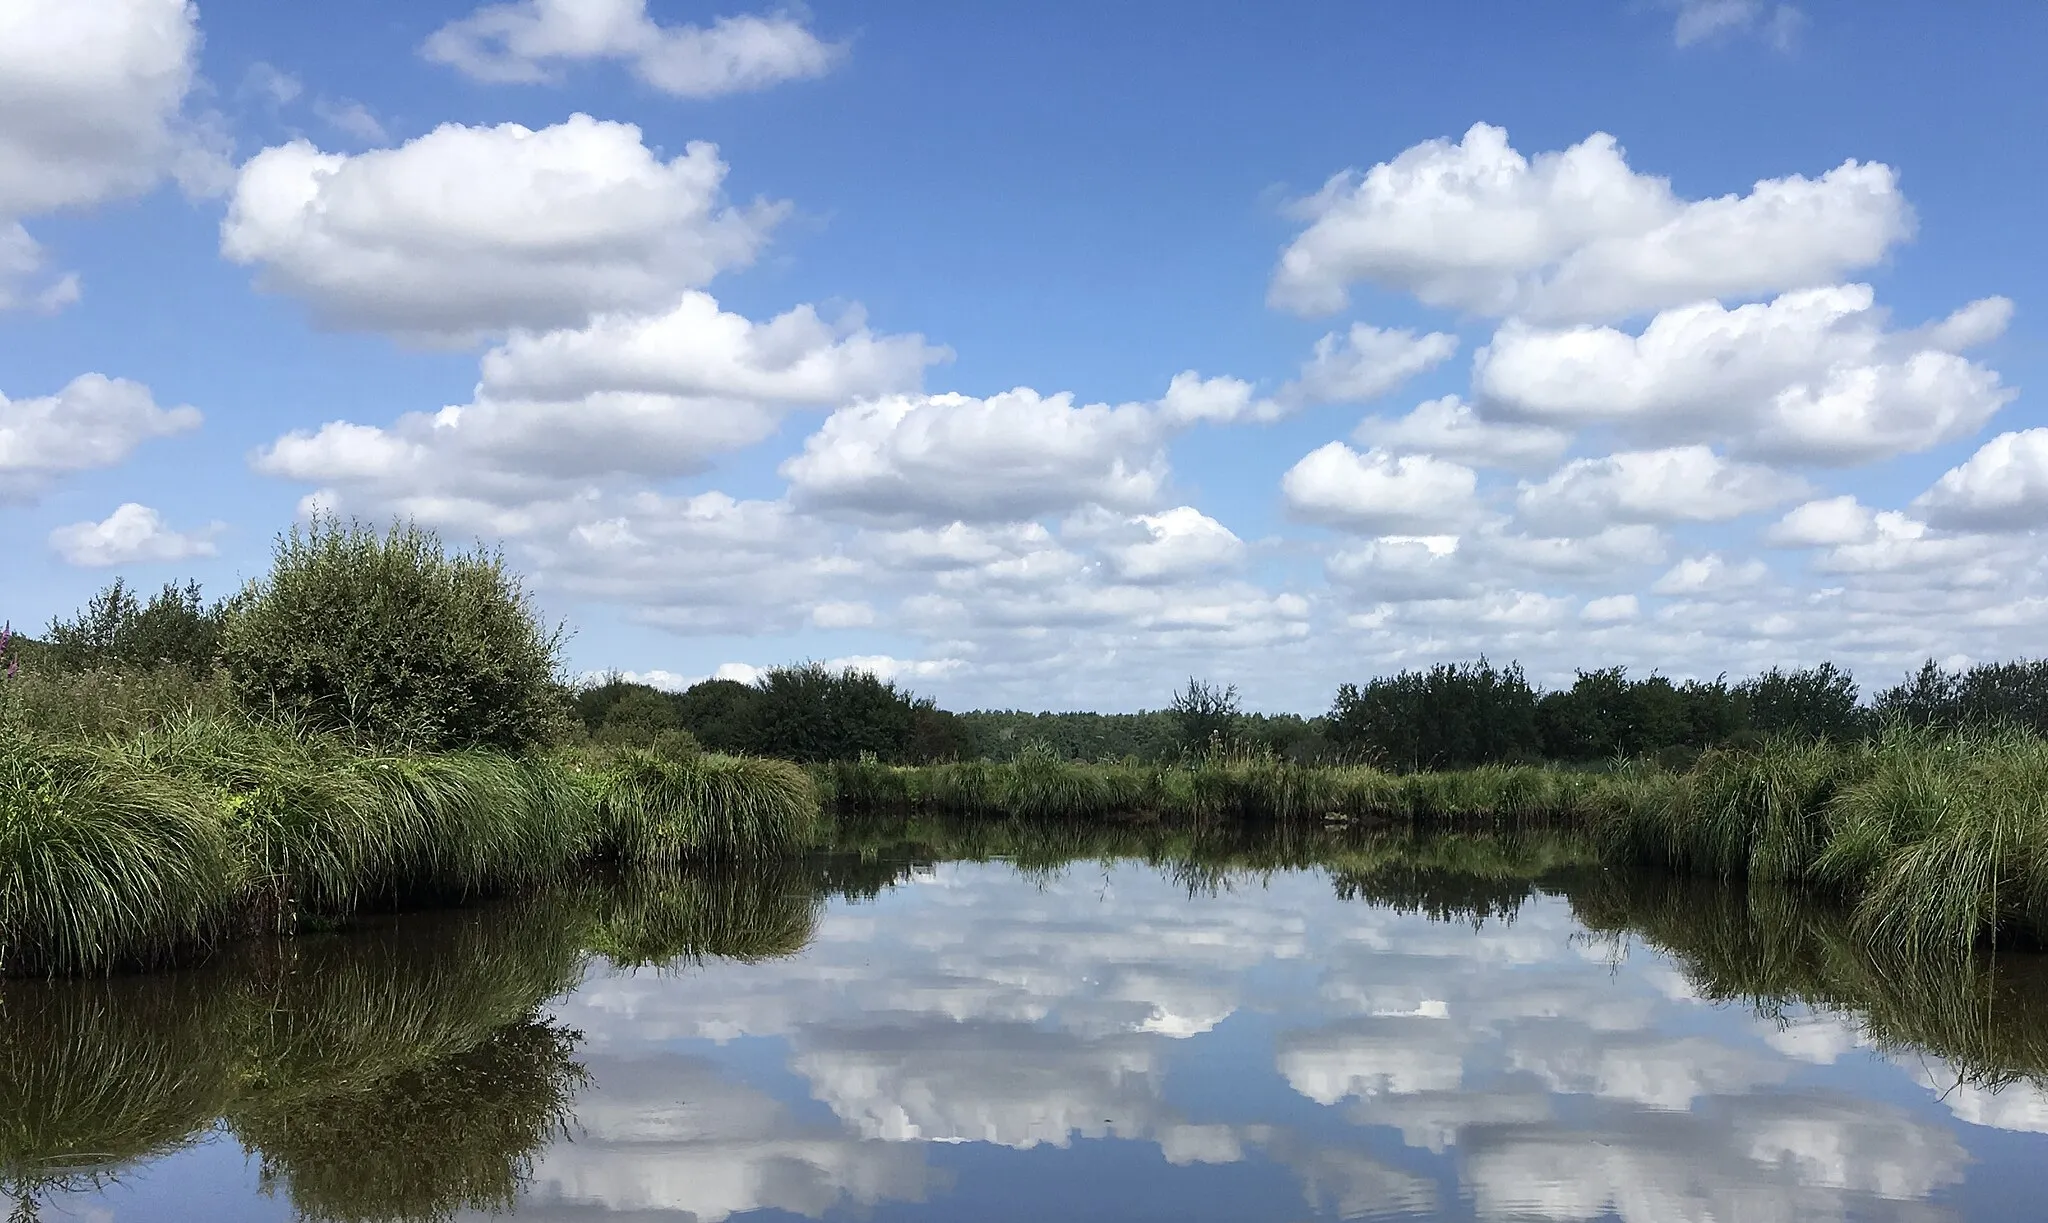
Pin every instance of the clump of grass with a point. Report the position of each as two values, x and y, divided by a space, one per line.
102 864
655 810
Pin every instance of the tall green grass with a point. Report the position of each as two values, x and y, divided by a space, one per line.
104 866
651 809
155 846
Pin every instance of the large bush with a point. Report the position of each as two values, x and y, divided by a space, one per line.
387 637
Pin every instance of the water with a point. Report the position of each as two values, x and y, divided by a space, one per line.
910 1038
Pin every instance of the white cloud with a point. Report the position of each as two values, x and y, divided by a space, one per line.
1601 553
1610 609
1450 428
94 421
1365 363
843 614
475 230
1712 576
522 42
352 119
1823 524
131 534
1010 456
1378 492
91 100
1811 376
1576 234
1705 20
1178 543
652 396
697 350
1406 568
1679 484
92 109
2002 487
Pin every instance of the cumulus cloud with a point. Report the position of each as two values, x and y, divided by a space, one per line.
524 42
95 421
1823 524
1449 428
1365 363
1679 484
1712 576
92 108
1405 568
1577 234
469 231
1378 492
2002 487
1178 543
131 534
1007 457
646 395
1811 376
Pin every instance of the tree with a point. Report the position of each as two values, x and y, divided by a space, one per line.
722 713
620 713
1815 703
1204 714
1452 716
388 637
810 713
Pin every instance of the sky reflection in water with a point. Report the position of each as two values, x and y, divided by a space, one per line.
977 1042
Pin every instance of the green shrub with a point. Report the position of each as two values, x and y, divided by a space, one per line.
389 638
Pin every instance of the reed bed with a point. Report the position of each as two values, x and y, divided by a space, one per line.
159 845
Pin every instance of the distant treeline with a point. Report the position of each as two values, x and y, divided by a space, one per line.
1444 717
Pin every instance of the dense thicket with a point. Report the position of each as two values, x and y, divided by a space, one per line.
2011 694
175 628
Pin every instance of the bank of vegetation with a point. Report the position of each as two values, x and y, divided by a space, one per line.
379 722
376 723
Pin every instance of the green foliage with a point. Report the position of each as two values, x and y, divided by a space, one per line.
1002 734
176 628
722 713
808 713
1606 715
1204 714
387 637
1814 703
652 810
2011 694
1451 716
109 702
620 713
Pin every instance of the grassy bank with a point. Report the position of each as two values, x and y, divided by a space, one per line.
1938 840
147 848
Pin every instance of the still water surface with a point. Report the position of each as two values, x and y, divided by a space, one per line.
898 1039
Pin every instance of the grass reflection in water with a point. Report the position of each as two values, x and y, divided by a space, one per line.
409 1070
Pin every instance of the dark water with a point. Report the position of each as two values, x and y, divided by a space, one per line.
1316 1029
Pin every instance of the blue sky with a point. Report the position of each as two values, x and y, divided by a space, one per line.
1735 300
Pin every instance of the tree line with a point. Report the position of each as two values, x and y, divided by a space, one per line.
329 638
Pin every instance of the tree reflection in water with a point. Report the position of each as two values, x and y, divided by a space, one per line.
410 1070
